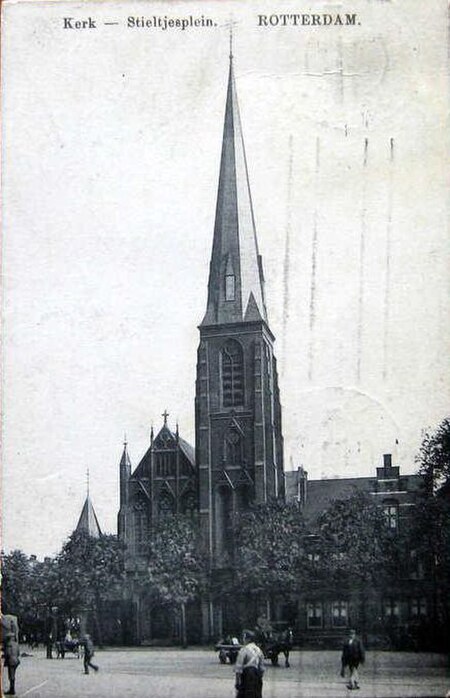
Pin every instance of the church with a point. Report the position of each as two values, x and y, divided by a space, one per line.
238 456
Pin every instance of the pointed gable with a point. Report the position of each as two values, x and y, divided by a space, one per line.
88 522
235 278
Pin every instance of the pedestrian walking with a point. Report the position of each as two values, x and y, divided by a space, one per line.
11 650
49 646
352 656
88 653
249 670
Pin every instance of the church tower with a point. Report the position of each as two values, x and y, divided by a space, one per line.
239 445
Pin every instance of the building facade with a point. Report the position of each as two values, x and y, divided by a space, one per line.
393 615
238 455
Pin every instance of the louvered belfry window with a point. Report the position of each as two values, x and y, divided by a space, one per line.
232 374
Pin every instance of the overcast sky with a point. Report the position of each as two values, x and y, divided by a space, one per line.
112 140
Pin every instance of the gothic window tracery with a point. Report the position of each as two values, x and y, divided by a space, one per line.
232 369
165 465
233 448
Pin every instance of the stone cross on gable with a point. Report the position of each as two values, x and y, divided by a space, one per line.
165 414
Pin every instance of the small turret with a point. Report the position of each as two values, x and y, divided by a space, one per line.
125 472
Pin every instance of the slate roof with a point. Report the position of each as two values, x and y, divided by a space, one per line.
235 246
88 522
321 493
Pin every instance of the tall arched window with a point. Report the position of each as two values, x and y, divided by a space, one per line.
233 448
232 364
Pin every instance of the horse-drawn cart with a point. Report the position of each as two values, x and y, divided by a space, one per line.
273 641
228 650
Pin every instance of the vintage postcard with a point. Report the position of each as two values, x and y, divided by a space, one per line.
225 346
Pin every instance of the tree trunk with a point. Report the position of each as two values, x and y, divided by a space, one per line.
183 625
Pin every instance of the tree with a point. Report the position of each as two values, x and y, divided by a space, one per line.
17 589
357 549
269 546
28 590
430 529
88 571
355 538
176 565
434 457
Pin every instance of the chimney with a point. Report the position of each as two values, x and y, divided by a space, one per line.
302 486
387 460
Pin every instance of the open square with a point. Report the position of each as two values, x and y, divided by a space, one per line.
197 673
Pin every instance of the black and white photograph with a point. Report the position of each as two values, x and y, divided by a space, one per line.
225 333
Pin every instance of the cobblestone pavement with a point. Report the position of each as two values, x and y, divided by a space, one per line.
159 673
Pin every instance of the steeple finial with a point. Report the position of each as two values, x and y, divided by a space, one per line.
165 414
87 481
125 442
236 280
231 39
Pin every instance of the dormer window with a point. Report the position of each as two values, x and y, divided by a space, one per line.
230 287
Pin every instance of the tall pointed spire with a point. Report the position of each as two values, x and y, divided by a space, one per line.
236 283
88 522
125 460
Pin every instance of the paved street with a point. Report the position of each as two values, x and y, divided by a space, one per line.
150 673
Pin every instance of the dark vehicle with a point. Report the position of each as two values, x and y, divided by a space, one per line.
66 646
274 640
228 649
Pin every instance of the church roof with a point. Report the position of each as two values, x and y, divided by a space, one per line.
165 438
236 283
188 450
88 522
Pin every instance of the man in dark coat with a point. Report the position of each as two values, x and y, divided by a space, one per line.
11 650
88 654
249 670
352 656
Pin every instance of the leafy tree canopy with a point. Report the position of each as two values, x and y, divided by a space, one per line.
434 456
268 548
355 539
87 569
176 564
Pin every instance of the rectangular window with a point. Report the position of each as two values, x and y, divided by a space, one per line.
418 607
391 515
391 608
314 614
314 557
230 287
339 614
